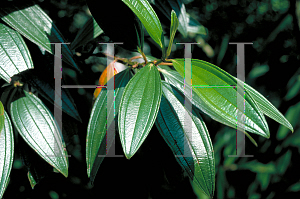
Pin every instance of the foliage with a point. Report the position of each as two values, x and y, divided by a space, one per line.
150 93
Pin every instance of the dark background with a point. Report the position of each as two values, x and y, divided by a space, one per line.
272 68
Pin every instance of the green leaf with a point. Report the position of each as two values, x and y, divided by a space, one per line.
1 117
89 31
31 180
138 108
295 187
38 128
175 79
264 179
222 100
34 24
173 29
198 162
283 162
267 108
258 167
45 85
96 130
221 183
14 56
293 86
292 114
148 17
197 191
6 153
179 8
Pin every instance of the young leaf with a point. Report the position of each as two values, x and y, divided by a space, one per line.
138 108
6 153
34 24
14 56
31 179
148 17
175 79
38 128
173 29
198 161
89 31
103 79
96 131
220 99
178 6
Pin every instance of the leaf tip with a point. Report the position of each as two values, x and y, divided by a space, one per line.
128 156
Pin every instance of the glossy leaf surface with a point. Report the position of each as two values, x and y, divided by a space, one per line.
14 54
89 31
45 85
176 80
198 160
267 108
6 153
34 24
138 108
38 128
96 131
223 100
173 29
148 17
179 8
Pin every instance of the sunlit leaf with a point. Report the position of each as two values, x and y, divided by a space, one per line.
198 160
138 108
173 29
175 79
103 79
14 54
34 24
148 17
179 8
38 128
267 108
209 81
6 153
292 114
